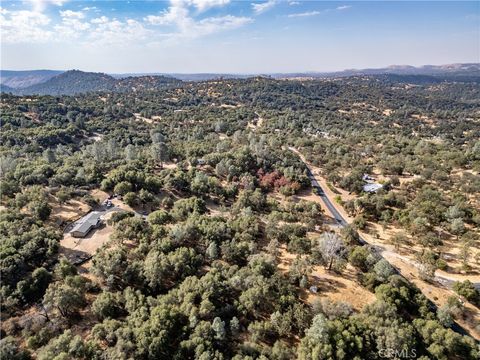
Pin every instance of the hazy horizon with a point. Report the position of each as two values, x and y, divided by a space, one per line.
239 73
236 37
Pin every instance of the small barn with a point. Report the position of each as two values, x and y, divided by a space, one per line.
86 224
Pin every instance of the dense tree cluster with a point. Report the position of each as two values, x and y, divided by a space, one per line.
210 165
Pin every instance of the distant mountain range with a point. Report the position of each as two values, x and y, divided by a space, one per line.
469 69
54 82
75 81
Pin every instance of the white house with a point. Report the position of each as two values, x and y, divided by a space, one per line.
84 225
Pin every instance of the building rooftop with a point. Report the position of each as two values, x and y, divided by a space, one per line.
88 221
372 187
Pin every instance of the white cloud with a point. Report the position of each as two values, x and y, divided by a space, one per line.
72 26
100 20
40 5
183 17
304 14
115 32
27 26
72 14
178 15
203 5
24 26
200 5
292 3
315 12
174 15
262 7
215 24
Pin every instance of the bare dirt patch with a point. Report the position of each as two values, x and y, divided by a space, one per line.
228 106
69 211
255 123
339 287
99 195
333 286
215 209
96 137
138 117
169 165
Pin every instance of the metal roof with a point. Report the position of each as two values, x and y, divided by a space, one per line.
372 187
87 222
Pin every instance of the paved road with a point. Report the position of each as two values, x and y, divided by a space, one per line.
336 214
445 281
342 222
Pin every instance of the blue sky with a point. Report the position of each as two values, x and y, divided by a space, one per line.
262 36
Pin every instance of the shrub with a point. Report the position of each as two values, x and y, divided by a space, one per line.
467 290
107 305
159 217
358 257
90 200
123 188
383 270
131 199
119 216
9 350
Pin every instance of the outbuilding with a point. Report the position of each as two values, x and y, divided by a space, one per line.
372 187
86 224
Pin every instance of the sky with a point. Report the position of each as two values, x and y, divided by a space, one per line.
226 36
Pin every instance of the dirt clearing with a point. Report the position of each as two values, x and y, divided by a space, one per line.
332 286
69 211
78 249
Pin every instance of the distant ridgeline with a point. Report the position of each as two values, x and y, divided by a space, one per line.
75 82
22 79
51 82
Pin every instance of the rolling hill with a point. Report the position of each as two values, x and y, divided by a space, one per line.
75 81
49 82
23 79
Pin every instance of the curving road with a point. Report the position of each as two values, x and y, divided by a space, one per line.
445 280
328 203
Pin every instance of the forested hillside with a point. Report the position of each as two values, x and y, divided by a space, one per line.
75 82
212 244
